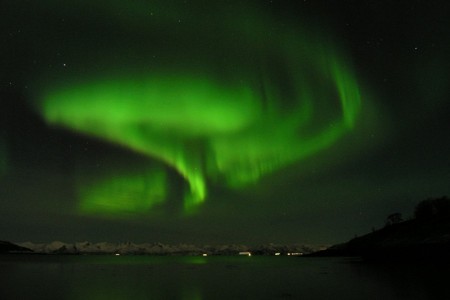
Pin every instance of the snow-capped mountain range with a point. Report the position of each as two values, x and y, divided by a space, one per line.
58 247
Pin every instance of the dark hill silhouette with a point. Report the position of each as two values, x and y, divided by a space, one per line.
7 247
426 237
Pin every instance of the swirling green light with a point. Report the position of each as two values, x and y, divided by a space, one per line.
269 98
123 195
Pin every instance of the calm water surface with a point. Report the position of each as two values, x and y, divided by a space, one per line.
150 277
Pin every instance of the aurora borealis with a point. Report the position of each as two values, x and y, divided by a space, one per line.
162 117
206 127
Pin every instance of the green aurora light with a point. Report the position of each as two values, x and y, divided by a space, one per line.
123 195
270 97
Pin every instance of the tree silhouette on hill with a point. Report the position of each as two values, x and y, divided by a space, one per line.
394 218
432 208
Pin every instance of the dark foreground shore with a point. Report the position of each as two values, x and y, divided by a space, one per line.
412 240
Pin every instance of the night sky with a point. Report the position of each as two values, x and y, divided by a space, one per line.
225 122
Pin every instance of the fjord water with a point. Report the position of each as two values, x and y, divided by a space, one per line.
196 278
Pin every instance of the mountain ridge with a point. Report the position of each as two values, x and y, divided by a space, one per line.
58 247
8 247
